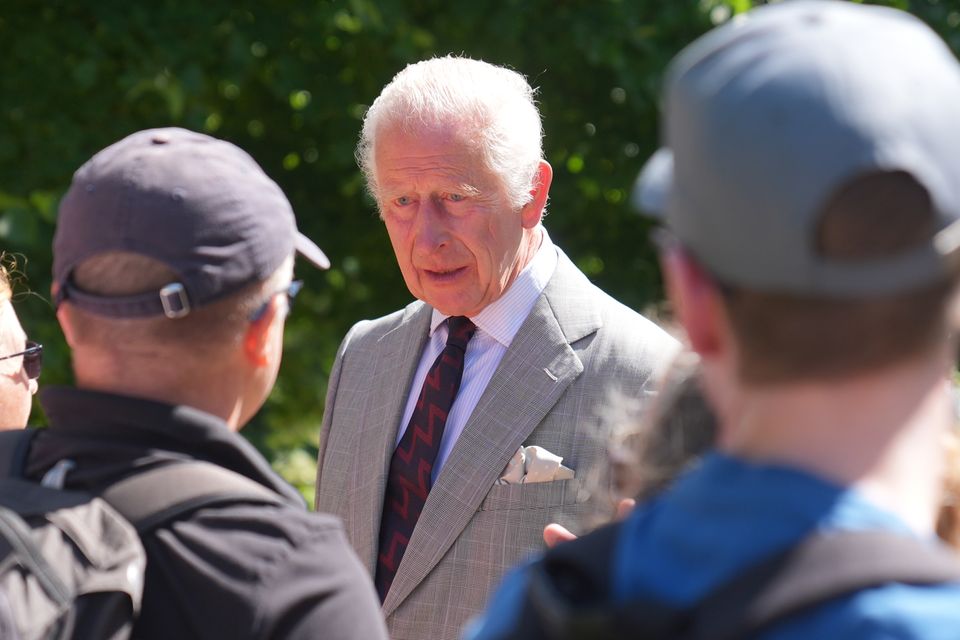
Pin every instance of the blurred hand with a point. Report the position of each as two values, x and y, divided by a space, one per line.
554 534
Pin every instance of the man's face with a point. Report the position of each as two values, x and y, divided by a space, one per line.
16 388
458 241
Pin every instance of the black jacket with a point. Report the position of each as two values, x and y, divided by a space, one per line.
229 571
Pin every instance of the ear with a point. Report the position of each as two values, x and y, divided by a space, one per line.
257 341
696 302
532 212
65 318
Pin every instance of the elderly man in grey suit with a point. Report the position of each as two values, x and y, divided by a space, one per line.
456 428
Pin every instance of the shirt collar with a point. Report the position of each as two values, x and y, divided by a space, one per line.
501 319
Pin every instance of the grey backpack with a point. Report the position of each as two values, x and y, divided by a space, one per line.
71 563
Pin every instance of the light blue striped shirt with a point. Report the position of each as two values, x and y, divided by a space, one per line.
497 325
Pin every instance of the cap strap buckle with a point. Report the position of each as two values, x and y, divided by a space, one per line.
173 297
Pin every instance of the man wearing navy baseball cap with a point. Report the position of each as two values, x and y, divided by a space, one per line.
809 183
173 274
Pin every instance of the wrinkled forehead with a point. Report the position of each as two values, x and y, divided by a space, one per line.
442 153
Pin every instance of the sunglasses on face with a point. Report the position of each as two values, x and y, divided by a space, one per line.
32 359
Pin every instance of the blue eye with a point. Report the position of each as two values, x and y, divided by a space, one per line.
403 201
456 197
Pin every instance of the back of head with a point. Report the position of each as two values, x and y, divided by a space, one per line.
167 240
206 331
812 166
493 105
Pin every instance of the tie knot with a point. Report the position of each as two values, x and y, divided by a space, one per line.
461 329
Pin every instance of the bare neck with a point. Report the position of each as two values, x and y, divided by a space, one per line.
529 245
881 433
218 392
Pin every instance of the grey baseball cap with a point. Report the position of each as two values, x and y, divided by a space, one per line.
200 205
766 117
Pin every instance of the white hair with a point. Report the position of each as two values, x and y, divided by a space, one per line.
493 104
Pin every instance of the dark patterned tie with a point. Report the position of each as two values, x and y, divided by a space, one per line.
408 482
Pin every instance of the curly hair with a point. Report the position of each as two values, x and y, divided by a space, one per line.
8 271
678 429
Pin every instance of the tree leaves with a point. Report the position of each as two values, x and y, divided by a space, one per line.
289 81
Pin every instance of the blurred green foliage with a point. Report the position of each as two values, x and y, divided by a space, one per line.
289 81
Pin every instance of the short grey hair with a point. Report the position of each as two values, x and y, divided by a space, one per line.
208 328
494 104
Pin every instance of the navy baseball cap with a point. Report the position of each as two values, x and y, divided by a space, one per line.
200 205
769 116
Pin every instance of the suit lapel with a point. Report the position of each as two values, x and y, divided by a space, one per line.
398 353
535 371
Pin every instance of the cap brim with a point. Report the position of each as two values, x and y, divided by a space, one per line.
309 250
652 188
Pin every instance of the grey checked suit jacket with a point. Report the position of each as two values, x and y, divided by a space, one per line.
548 390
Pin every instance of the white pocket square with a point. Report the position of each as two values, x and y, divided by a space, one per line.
534 464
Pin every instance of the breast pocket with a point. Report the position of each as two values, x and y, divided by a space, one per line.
538 495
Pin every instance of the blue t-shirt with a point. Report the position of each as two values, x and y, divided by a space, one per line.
728 514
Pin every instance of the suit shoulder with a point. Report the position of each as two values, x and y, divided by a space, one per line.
640 327
365 331
581 306
627 341
627 326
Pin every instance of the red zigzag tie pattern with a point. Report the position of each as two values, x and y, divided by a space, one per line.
408 482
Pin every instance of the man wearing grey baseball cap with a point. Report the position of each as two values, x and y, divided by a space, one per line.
810 188
173 266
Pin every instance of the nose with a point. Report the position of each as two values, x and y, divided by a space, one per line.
432 227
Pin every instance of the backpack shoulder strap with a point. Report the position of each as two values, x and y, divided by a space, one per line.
569 580
151 498
569 596
14 446
824 566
